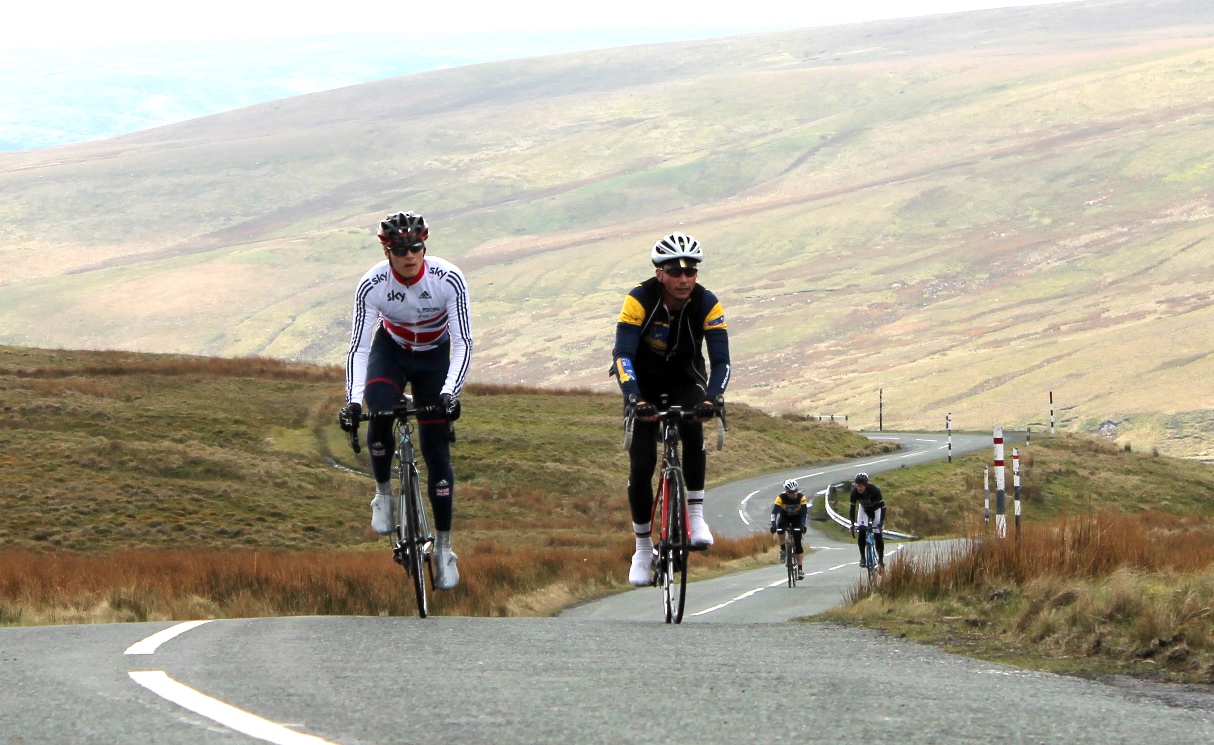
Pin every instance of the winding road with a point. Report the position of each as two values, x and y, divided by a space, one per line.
725 676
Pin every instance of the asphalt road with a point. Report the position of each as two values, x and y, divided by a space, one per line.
465 680
572 679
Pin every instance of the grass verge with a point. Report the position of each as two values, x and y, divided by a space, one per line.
1061 475
1107 593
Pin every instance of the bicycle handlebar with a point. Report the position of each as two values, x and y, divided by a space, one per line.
403 410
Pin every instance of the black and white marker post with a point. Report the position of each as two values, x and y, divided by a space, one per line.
948 425
1016 486
1051 412
1000 487
986 496
880 409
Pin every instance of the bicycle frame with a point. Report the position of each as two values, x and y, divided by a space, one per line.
670 516
412 538
790 558
870 551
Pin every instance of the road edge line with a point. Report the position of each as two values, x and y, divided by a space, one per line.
150 644
158 682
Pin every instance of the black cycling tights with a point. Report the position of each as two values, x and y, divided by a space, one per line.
436 452
878 539
389 368
796 542
644 459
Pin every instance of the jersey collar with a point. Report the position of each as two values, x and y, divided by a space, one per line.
416 278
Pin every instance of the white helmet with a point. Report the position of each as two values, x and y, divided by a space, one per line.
790 485
677 247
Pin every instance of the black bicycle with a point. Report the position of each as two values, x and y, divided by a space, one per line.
870 551
412 539
790 559
673 545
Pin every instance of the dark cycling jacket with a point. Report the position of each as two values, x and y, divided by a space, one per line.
871 500
653 343
790 510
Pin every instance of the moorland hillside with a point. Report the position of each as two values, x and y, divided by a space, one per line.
966 211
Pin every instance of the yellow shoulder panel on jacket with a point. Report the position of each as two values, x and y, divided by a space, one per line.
715 318
632 313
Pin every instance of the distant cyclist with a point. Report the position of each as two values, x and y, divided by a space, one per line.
411 325
790 513
871 515
662 327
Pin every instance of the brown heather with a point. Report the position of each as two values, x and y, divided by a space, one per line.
1107 592
129 585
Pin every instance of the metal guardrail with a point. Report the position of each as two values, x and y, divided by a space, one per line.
840 520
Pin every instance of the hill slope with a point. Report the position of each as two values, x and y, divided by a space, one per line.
966 211
110 450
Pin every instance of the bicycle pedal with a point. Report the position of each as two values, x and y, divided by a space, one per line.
697 547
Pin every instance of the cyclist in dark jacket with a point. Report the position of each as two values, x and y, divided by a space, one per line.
871 515
791 512
662 328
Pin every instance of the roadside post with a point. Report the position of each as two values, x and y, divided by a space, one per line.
948 425
986 496
1016 486
880 409
1051 412
1000 487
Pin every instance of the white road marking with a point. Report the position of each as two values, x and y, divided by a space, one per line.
742 506
777 583
149 645
229 716
919 439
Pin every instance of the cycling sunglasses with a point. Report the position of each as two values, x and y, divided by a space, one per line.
405 250
682 271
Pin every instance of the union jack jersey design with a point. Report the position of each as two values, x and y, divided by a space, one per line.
419 313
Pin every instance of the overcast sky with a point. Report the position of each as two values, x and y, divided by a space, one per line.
57 23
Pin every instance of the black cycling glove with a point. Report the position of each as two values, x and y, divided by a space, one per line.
644 410
706 410
348 417
450 405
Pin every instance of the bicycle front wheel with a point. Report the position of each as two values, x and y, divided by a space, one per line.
870 554
414 538
678 543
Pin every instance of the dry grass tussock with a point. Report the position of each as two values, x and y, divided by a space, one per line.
1098 593
497 579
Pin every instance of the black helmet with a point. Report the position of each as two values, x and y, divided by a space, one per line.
861 478
403 229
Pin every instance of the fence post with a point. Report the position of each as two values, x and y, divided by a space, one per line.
1016 486
948 424
1000 487
986 496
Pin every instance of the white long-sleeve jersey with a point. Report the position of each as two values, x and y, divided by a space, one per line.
419 313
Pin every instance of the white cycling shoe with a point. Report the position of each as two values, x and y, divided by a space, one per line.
446 572
701 536
381 514
641 572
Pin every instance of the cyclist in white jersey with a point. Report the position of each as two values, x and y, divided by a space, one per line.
411 325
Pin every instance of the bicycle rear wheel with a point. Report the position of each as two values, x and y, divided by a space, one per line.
414 538
678 545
